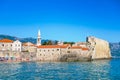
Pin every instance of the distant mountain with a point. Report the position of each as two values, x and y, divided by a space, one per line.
8 37
115 49
33 40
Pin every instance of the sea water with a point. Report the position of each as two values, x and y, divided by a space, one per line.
95 70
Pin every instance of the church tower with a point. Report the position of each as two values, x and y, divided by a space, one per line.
39 39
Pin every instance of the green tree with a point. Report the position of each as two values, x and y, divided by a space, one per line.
56 42
49 42
44 43
71 43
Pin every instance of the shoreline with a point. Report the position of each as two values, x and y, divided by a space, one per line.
56 61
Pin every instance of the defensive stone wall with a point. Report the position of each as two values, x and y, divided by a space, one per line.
100 48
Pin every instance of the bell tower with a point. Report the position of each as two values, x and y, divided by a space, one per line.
39 38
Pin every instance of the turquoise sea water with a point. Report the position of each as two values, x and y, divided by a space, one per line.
95 70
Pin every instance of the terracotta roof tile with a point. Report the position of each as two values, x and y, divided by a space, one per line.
28 44
6 41
79 47
52 46
84 49
76 47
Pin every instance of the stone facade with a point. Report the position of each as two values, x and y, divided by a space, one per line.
50 52
6 45
83 44
101 48
29 47
61 53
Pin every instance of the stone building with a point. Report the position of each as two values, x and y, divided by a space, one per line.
51 52
29 47
6 44
16 46
10 45
61 53
83 44
60 43
9 49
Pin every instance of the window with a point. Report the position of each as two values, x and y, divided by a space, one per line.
57 49
68 51
3 45
68 47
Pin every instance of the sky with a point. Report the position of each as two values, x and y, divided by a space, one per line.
66 20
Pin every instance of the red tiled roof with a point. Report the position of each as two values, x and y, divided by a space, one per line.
79 47
28 44
52 46
84 49
62 46
6 41
76 47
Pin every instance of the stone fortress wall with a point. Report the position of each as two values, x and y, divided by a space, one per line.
101 48
93 49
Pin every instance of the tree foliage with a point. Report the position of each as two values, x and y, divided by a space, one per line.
49 42
71 43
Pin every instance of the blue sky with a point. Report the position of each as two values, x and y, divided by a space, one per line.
67 20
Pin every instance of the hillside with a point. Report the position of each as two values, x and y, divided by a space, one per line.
33 40
115 49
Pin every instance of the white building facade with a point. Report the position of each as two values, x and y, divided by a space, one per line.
17 46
